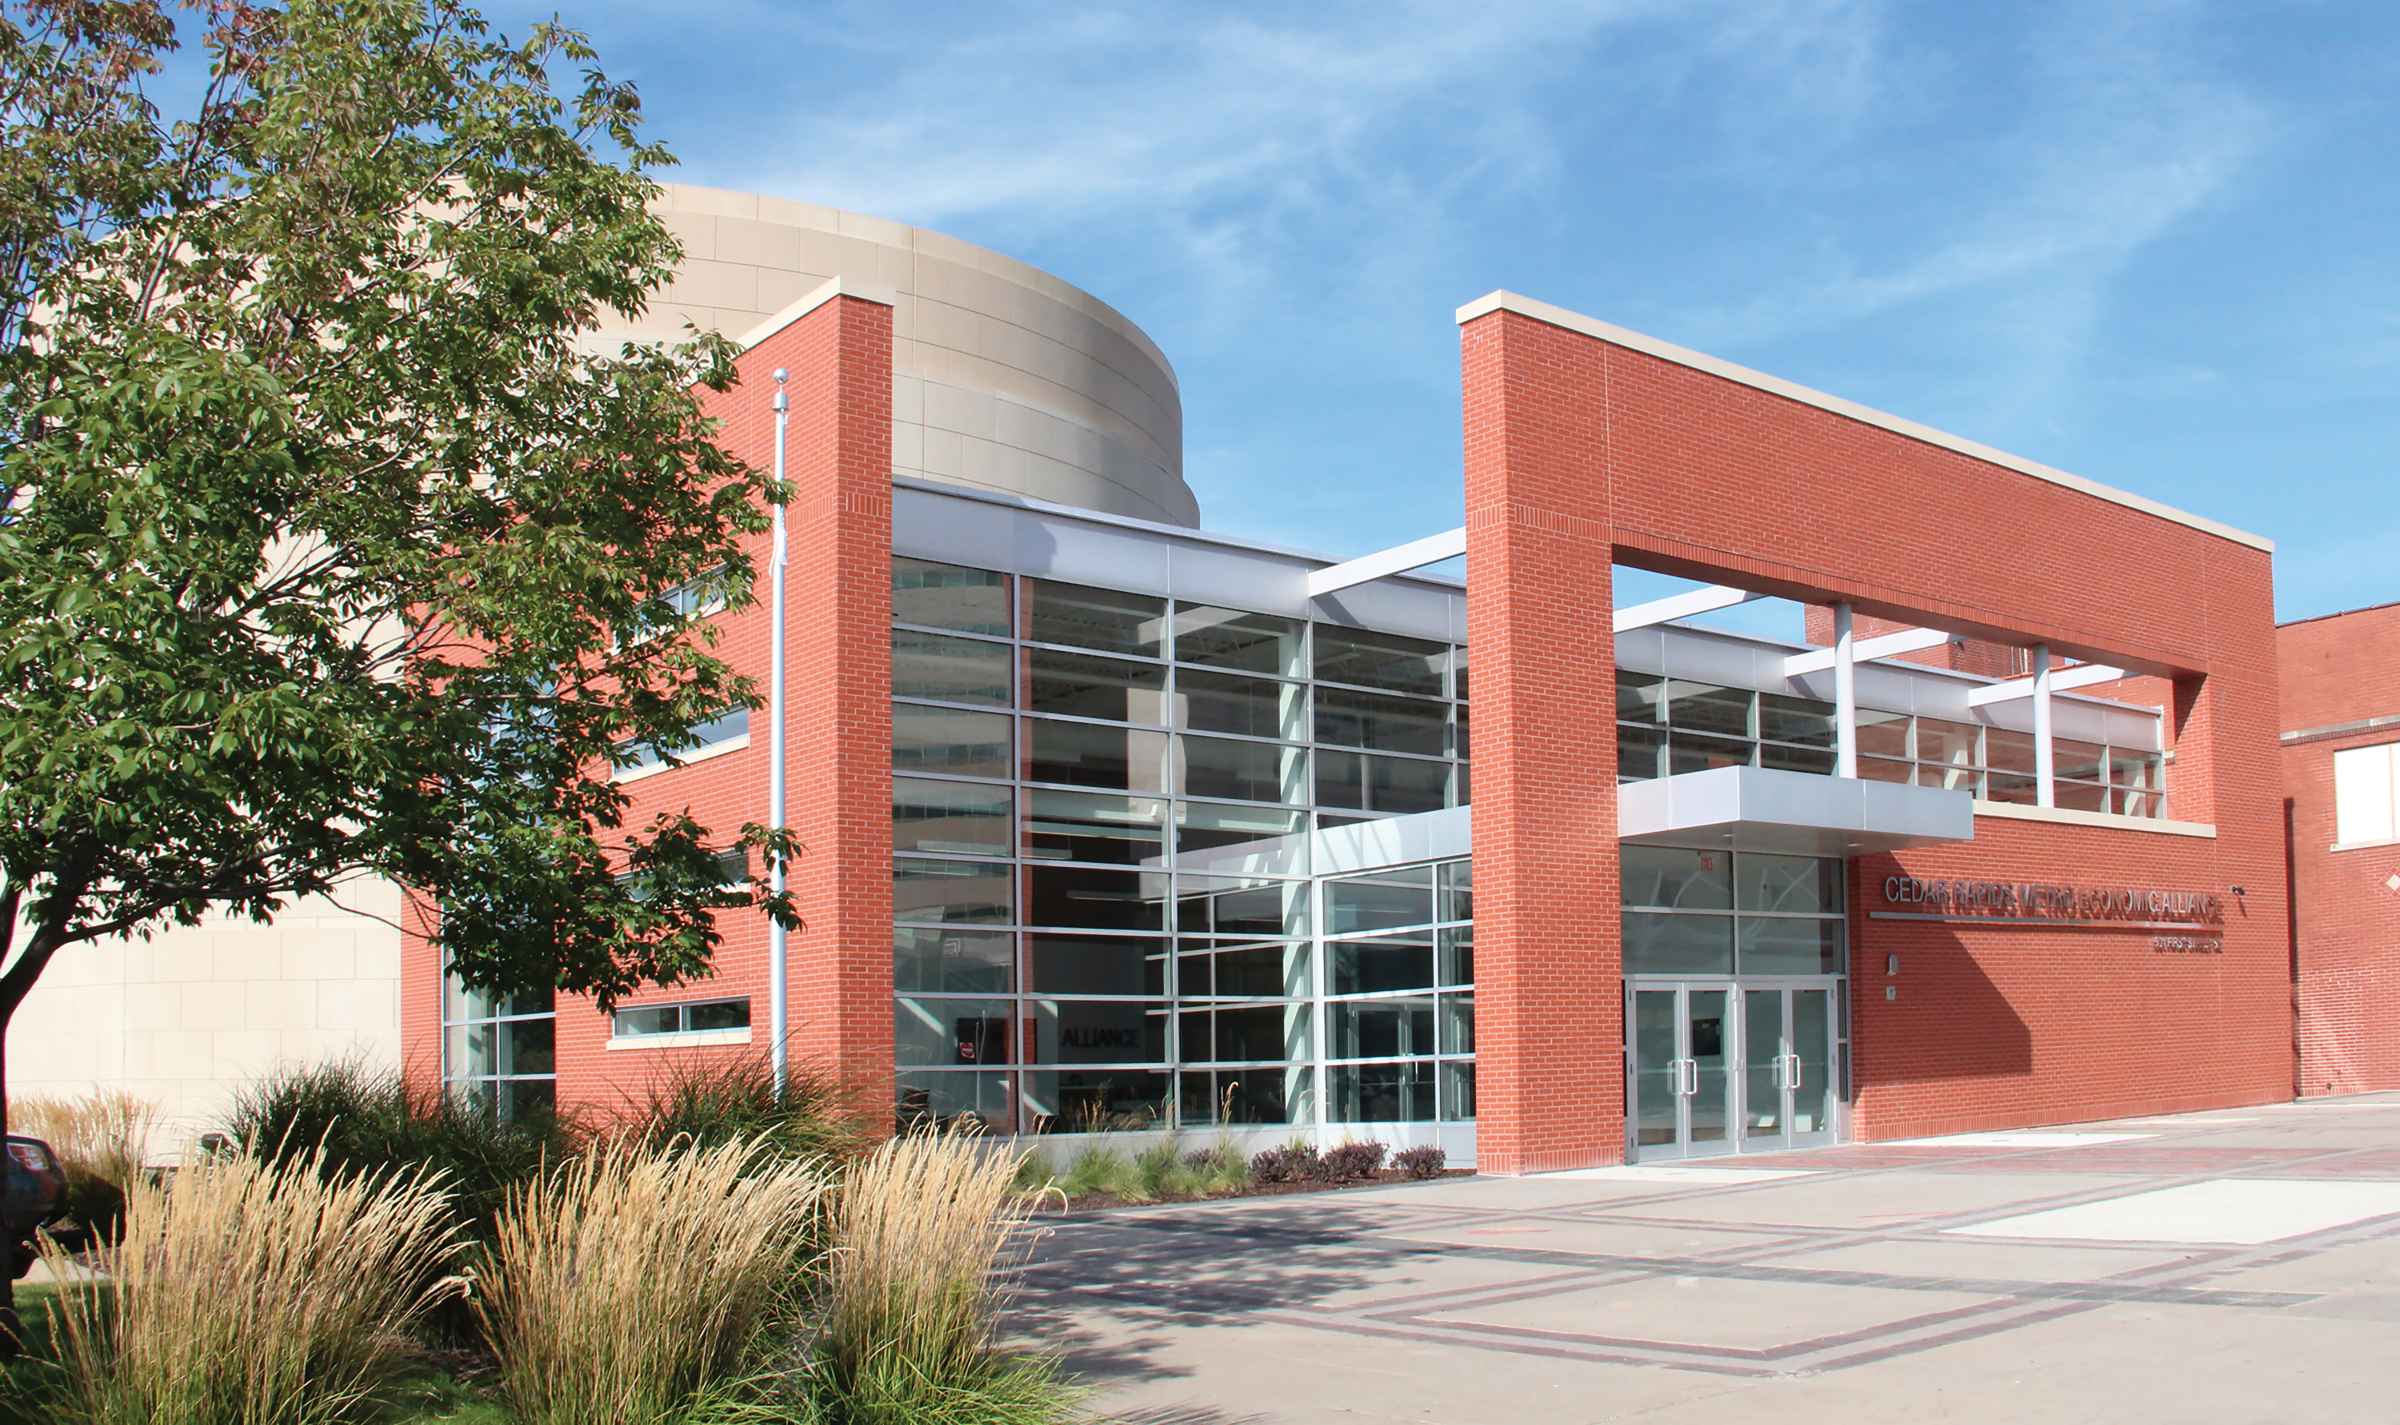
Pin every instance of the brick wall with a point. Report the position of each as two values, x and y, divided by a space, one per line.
2346 913
1580 451
838 756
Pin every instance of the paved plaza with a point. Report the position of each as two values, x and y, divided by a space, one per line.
2241 1265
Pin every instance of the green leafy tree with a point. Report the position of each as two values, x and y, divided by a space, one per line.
326 551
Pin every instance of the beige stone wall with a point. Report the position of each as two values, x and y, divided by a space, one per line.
1003 377
187 1018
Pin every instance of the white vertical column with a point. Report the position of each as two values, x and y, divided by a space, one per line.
1845 696
2045 791
779 1012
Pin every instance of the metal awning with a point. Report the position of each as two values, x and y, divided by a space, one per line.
1763 809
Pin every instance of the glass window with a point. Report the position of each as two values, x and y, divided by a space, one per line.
1246 707
953 892
1458 890
1381 1093
2078 761
1458 1024
1381 964
1085 898
955 1032
1797 885
1112 689
1243 771
1817 761
946 596
1095 965
1243 971
1690 752
1106 619
955 818
1234 638
1703 707
1658 944
965 744
1240 840
1097 1100
2080 796
1676 879
643 1023
1380 660
1382 901
944 1097
1780 946
1095 826
1086 755
1882 734
949 960
1455 965
1458 1090
698 1018
1949 778
1802 720
1387 784
2010 787
1641 697
1381 724
1380 1028
1250 1033
727 729
1255 910
1641 753
1074 1031
2007 751
1952 744
1240 1097
949 670
1883 769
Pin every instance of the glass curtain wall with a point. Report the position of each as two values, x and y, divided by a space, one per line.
500 1053
1101 807
1400 995
1668 726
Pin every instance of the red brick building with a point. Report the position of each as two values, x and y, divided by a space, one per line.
1119 824
2341 736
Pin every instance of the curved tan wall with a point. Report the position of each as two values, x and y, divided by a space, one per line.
1003 377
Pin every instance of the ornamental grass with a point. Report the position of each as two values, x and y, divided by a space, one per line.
244 1292
646 1279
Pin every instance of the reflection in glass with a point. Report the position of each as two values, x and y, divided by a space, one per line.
944 960
1080 685
1380 1093
1089 898
963 744
1657 944
1102 827
1085 755
957 892
1236 639
1106 619
1675 878
1245 707
1095 965
949 670
947 596
959 818
1380 660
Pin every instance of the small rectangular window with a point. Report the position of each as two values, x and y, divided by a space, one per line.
2364 795
698 1017
724 732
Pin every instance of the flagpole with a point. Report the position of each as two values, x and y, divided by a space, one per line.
778 990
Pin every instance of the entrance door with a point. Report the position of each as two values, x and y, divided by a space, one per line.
1679 1081
1787 1067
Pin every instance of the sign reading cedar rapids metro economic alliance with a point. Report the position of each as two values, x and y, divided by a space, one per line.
1960 902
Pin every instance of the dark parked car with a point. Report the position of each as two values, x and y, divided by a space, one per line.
36 1190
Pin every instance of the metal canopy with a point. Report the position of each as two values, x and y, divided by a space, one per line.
1800 813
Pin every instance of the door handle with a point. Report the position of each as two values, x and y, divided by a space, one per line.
1692 1067
1798 1074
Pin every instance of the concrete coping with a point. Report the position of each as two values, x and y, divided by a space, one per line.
826 291
1792 391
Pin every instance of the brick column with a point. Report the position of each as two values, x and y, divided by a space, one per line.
1549 998
838 679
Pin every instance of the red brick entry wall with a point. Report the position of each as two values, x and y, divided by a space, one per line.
2339 672
1581 451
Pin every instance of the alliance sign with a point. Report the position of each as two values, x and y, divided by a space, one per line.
2199 914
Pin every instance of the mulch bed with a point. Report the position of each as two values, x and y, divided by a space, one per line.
1102 1201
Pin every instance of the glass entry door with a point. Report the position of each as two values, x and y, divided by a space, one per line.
1680 1057
1787 1066
1728 1066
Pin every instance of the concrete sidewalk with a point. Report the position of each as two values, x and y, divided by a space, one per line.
2241 1265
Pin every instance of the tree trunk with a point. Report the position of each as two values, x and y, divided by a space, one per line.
11 1329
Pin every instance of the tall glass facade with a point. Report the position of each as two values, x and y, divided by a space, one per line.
1101 808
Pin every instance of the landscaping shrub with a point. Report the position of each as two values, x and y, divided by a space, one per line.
1421 1163
345 1116
922 1227
1354 1162
247 1291
101 1140
1294 1162
1217 1170
645 1277
735 1101
1158 1172
1101 1169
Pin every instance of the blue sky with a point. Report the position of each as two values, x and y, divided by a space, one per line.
2154 244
